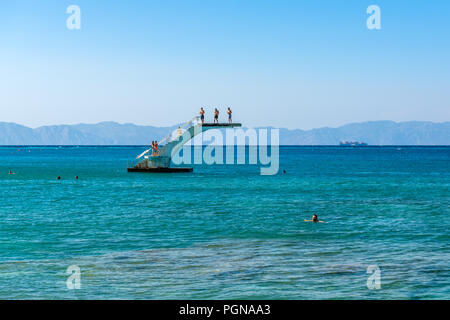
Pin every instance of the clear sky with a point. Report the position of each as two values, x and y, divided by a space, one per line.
295 64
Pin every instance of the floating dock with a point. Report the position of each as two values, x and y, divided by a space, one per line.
160 170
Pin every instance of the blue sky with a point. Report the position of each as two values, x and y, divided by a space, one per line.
294 64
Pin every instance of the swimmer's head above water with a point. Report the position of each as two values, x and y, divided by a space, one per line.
315 219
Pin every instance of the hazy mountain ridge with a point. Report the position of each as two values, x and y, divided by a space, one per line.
373 133
113 133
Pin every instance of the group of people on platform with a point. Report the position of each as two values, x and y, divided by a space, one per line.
155 146
216 115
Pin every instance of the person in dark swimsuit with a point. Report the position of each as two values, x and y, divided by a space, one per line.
229 115
216 115
202 115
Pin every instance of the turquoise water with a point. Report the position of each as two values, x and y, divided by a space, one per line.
226 232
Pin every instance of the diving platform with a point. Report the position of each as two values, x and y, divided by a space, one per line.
159 162
221 125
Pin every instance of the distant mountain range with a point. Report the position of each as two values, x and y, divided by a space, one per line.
113 133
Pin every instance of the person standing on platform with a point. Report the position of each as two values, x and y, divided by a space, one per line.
216 115
202 115
229 115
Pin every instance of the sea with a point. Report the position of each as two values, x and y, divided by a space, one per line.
224 231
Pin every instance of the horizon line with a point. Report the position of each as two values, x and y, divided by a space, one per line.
238 145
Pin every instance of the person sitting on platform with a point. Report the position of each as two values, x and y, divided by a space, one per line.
229 115
216 115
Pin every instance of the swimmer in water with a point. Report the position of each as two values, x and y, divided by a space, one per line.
315 219
10 172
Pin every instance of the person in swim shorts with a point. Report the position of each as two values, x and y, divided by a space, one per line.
229 115
202 115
